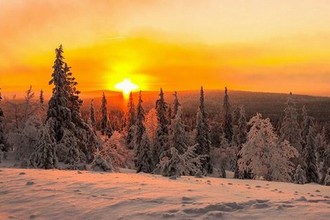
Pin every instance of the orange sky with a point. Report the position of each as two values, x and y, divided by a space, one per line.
257 45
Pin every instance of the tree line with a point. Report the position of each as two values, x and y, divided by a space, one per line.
159 142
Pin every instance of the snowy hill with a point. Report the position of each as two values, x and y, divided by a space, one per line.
56 194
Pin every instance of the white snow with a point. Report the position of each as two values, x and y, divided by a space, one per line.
58 194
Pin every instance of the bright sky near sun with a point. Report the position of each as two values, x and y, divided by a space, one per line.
258 45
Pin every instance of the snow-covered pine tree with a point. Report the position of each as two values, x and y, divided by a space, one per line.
64 118
202 138
41 98
300 176
175 164
105 125
142 150
44 154
309 156
321 146
177 137
227 117
176 104
327 178
290 129
264 155
325 166
307 121
92 114
151 123
101 163
3 143
130 122
161 147
240 138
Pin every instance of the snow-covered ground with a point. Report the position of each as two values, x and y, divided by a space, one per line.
56 194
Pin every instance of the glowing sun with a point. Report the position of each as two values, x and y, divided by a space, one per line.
126 86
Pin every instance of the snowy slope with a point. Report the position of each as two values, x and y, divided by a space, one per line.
56 194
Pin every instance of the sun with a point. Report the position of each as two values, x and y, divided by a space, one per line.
126 86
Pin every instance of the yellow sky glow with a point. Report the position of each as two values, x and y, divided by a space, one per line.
274 46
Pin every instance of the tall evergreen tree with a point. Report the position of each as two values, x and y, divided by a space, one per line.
309 156
130 122
290 129
105 124
176 104
241 137
161 138
227 118
177 137
92 114
325 165
202 138
143 157
41 97
3 143
64 120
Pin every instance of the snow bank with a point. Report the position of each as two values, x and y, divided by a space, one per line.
56 194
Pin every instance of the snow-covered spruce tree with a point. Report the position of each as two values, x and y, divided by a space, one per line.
307 121
321 146
240 138
92 114
161 147
105 124
264 155
41 98
309 157
202 138
327 178
177 137
151 123
227 118
101 163
290 129
143 157
300 176
64 118
326 165
176 104
3 144
176 164
44 154
130 122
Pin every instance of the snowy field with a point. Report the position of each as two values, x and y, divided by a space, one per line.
56 194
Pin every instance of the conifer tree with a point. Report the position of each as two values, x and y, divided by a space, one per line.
202 138
41 97
290 129
176 164
161 139
64 120
44 155
92 114
3 143
325 166
176 104
327 178
300 176
130 122
264 155
105 125
321 147
177 137
309 156
241 136
143 157
227 118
